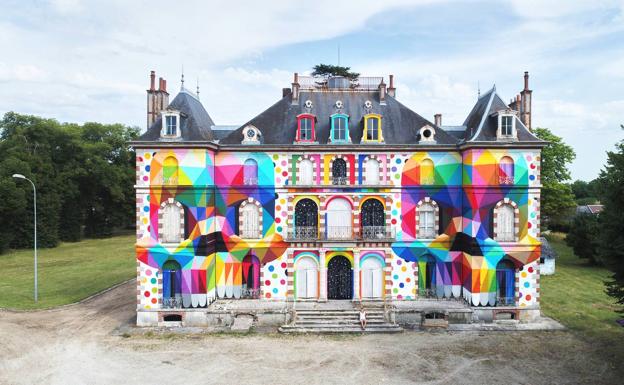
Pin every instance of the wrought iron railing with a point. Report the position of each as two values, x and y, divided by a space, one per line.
303 233
172 303
253 233
505 180
427 293
339 232
377 232
505 301
250 181
172 180
363 83
339 180
250 293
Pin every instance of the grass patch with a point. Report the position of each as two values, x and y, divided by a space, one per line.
67 273
576 297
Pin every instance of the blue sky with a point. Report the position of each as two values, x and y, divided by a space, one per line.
79 61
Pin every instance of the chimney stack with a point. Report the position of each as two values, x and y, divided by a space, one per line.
295 89
391 89
438 119
382 93
157 100
525 102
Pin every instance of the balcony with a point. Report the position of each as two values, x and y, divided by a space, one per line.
172 303
505 301
303 233
505 180
339 180
251 233
250 181
341 233
377 232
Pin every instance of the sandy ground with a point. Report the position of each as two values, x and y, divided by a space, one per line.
79 344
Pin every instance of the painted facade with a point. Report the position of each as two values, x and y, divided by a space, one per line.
393 220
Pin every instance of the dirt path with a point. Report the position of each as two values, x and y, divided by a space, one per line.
75 345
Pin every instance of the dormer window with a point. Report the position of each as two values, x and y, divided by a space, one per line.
372 128
305 128
171 124
506 125
339 128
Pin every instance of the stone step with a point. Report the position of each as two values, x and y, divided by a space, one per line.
353 313
388 328
339 321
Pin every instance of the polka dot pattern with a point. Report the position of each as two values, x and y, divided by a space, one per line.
403 281
275 279
148 287
527 285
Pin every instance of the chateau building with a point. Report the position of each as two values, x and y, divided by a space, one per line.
336 192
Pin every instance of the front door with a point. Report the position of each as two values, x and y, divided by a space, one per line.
339 278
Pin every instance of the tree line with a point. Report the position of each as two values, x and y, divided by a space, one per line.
84 176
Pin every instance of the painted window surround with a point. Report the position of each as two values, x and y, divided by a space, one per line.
367 118
163 128
312 119
499 131
333 120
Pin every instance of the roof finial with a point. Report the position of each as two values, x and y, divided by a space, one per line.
198 87
182 80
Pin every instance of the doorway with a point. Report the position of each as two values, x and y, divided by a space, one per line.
339 278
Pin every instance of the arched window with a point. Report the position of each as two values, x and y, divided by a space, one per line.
372 171
339 128
250 172
306 220
504 230
505 282
372 128
373 219
306 172
339 219
339 171
251 277
427 172
250 220
426 221
306 278
170 170
173 222
172 285
506 171
305 128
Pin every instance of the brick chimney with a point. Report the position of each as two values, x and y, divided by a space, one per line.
157 99
438 119
525 102
295 89
382 93
391 89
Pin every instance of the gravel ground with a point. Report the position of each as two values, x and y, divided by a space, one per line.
78 344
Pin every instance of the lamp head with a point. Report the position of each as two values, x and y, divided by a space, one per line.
19 176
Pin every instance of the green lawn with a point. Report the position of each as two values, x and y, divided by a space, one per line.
575 296
67 273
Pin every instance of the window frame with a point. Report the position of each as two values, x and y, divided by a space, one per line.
164 218
243 230
511 236
503 116
312 119
434 227
367 118
164 129
334 138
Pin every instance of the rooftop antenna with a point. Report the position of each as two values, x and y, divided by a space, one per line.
182 80
478 90
198 87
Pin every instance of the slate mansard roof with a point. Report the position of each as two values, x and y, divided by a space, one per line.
278 124
195 123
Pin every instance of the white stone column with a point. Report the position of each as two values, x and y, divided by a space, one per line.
356 275
323 276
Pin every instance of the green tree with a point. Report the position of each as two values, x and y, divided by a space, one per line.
611 249
583 236
585 193
557 197
328 70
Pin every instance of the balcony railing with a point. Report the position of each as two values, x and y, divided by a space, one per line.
363 83
253 233
427 293
250 293
303 233
172 303
505 180
172 180
339 232
377 232
250 181
505 301
339 180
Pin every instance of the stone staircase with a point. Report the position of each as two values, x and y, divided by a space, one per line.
339 321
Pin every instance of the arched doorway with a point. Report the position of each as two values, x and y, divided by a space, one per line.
427 276
371 274
339 214
172 285
306 219
339 278
306 278
373 219
505 282
251 277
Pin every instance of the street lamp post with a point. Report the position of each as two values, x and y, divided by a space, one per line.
20 176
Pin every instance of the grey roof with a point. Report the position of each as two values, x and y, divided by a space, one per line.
221 131
195 122
546 249
399 125
482 126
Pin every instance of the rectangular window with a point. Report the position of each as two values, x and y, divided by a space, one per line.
507 125
305 132
372 129
426 224
339 129
171 125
